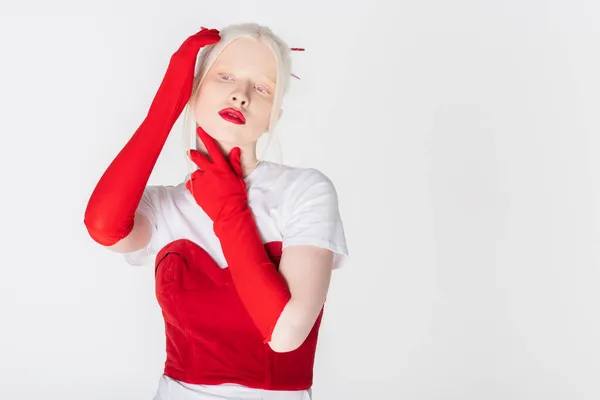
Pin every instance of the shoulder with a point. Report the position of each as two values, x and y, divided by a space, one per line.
298 188
165 192
296 180
158 199
310 212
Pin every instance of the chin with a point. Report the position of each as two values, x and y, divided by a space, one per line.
226 132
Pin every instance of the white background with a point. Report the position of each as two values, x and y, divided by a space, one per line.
462 137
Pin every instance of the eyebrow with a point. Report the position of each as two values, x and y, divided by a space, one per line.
269 77
227 67
273 81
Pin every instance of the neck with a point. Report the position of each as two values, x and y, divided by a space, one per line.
248 157
248 160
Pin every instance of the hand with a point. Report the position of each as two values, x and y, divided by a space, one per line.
176 87
218 186
192 45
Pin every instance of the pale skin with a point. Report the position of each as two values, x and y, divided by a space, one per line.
244 77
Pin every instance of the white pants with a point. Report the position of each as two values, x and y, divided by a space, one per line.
171 389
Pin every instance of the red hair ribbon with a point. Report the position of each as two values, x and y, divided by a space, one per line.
296 49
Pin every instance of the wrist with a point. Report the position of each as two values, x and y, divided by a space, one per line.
232 215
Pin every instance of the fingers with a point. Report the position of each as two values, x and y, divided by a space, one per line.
199 159
234 160
189 184
212 34
200 39
211 146
204 30
214 152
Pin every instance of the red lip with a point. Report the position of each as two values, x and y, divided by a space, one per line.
232 115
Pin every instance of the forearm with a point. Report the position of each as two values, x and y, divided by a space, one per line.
110 212
262 289
293 326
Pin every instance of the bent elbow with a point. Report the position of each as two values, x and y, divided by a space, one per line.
102 231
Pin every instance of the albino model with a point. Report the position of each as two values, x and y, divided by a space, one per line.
243 249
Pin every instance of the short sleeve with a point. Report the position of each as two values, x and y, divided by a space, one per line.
150 207
311 216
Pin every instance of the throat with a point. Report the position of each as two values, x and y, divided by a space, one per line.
249 167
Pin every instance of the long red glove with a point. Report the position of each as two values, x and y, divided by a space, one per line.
111 209
218 187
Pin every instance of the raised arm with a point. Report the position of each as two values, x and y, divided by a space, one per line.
110 217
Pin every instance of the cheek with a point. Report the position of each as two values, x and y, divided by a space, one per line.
203 105
260 104
265 113
199 110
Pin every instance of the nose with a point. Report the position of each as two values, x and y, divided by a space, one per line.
240 97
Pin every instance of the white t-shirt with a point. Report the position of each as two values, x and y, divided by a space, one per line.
296 206
291 205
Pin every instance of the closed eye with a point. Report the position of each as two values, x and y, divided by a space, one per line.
259 88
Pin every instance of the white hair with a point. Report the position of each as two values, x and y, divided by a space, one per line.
209 54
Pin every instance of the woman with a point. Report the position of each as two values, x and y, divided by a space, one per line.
243 249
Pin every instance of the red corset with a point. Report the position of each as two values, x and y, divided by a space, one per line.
211 339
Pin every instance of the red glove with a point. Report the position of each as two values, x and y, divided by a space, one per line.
220 190
111 209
